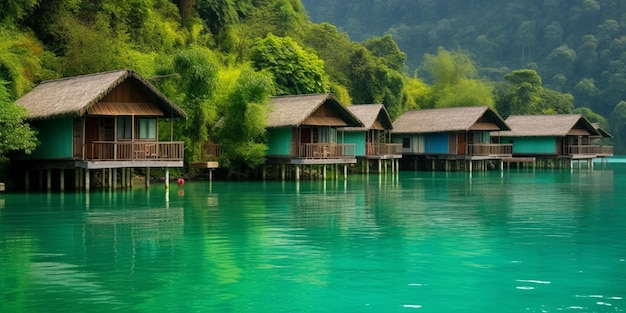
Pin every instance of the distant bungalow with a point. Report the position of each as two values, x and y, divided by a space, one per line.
450 139
302 131
553 141
372 141
101 122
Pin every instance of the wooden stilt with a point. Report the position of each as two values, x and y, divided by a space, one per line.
48 179
167 178
129 177
297 172
147 179
110 178
114 178
282 171
87 178
62 179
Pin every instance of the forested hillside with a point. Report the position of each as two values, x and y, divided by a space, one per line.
577 46
223 59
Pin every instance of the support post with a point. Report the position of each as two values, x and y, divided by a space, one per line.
62 180
114 178
147 179
110 178
167 178
87 178
282 172
48 179
297 172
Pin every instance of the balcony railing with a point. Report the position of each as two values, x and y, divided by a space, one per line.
325 151
384 148
606 150
490 149
135 150
210 152
584 150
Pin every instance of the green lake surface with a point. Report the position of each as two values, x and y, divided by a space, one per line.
517 241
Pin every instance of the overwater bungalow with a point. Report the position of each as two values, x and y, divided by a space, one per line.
372 142
551 141
96 125
303 136
450 139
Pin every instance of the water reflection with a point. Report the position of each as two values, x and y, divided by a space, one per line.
526 241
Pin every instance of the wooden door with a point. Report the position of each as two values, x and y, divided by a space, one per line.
462 143
92 133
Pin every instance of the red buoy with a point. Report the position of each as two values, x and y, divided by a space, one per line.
180 182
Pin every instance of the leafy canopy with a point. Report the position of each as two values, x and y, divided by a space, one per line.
15 134
242 132
295 70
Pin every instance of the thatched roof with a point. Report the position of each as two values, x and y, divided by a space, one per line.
603 133
557 125
75 95
295 110
449 120
369 114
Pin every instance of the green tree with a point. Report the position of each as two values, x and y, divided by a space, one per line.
16 134
220 14
198 80
455 81
295 70
388 51
333 47
242 131
14 11
93 48
617 119
520 93
371 81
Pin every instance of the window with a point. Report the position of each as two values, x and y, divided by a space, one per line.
406 143
124 127
147 128
326 134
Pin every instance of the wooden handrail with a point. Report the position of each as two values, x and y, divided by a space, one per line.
490 149
136 150
325 151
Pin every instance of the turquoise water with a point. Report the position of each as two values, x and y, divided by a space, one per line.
520 241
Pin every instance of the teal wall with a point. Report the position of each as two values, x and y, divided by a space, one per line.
55 136
356 138
436 143
531 145
279 141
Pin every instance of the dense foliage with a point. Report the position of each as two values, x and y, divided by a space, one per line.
577 46
14 133
221 60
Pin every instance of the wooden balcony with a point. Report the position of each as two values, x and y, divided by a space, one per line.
326 151
379 149
583 150
606 151
490 149
134 151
